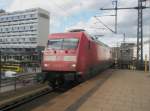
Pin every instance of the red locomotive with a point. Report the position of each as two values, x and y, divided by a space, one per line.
74 56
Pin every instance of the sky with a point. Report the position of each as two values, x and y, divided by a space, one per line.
73 14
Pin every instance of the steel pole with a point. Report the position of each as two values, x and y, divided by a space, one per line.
0 71
116 15
149 54
149 46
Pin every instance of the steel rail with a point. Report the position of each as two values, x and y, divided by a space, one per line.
20 100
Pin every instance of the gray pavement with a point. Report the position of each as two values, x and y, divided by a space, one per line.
125 90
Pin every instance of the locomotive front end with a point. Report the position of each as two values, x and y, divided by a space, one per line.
61 54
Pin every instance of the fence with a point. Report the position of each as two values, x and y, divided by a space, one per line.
17 81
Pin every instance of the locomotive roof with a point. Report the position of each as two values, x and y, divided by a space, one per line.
97 41
64 34
79 35
101 43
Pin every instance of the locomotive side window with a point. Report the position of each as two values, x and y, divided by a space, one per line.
65 43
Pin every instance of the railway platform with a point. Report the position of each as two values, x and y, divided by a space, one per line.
112 90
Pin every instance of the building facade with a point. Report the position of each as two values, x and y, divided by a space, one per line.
24 29
127 55
23 35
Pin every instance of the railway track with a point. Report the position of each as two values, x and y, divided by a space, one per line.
14 102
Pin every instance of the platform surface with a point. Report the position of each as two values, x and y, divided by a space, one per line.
124 91
113 90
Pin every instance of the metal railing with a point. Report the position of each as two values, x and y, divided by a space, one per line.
17 81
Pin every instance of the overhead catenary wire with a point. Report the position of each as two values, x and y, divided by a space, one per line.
140 8
104 24
65 13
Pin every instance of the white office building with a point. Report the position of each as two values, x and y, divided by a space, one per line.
24 29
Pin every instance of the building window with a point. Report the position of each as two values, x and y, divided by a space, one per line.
15 17
23 39
6 18
17 39
9 18
32 39
2 19
12 39
24 16
31 15
31 27
6 29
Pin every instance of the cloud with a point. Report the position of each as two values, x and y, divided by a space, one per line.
58 7
5 3
63 12
60 10
127 20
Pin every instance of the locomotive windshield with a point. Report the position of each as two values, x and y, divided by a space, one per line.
61 44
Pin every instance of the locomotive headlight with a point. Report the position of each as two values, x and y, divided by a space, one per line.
73 65
45 65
